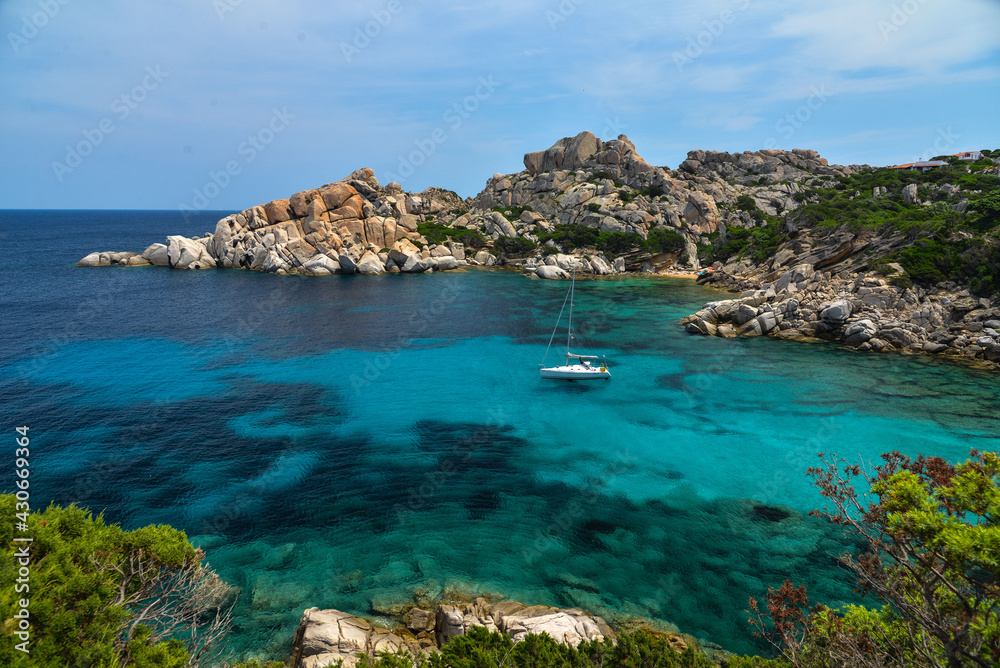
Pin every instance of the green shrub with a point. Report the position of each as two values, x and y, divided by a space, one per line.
580 236
988 208
95 592
748 204
514 246
511 213
437 233
927 533
469 238
928 261
572 236
480 648
616 243
663 240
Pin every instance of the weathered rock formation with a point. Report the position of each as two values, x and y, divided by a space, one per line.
608 186
861 310
326 636
836 283
357 226
350 226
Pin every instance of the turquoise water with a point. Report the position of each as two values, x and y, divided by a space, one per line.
349 441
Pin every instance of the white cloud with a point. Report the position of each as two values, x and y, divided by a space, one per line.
912 35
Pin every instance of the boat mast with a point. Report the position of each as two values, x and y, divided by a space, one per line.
569 331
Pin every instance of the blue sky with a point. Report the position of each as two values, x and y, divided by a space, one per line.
222 104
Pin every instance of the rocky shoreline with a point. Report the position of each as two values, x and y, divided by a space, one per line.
355 225
327 636
597 207
863 311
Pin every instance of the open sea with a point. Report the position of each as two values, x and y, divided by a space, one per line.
351 441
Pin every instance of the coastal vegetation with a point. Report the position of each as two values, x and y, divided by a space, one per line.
939 225
932 543
481 648
574 235
438 233
102 597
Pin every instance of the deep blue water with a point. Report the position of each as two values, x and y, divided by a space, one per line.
347 441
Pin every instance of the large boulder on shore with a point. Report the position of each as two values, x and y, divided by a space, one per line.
93 260
321 265
568 627
551 272
184 253
836 313
403 252
370 264
157 254
327 636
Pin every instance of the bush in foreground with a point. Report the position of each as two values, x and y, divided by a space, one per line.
103 597
481 648
932 559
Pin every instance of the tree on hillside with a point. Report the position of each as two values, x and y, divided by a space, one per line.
100 596
932 558
989 210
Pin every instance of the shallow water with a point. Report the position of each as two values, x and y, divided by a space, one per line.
348 441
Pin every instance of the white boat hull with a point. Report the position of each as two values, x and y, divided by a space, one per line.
576 372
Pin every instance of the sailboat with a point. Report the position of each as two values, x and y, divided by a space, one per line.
585 367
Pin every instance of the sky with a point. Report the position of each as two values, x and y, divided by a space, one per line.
224 104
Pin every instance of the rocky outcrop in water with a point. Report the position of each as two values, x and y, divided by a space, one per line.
357 226
862 310
351 226
326 636
840 270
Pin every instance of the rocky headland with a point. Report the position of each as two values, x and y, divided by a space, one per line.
877 259
911 269
635 216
